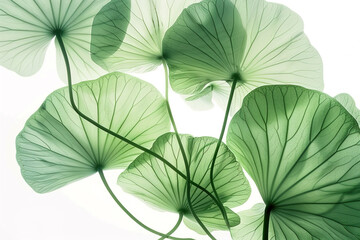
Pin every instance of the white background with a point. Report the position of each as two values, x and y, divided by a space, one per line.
84 210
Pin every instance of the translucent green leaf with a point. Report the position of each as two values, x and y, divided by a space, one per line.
219 92
145 24
27 27
204 45
302 149
348 102
109 29
259 42
297 225
57 146
251 225
213 219
206 91
158 185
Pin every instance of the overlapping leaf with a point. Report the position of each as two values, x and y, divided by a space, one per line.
348 102
27 27
256 42
302 149
158 185
212 219
57 146
144 22
251 225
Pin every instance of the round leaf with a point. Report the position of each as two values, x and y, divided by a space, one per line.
255 42
144 22
57 146
27 27
302 149
160 186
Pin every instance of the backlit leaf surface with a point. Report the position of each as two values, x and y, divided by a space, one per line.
158 185
302 149
144 22
258 42
27 28
251 225
57 146
348 102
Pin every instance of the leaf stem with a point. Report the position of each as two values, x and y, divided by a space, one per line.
266 222
181 215
186 162
228 107
102 176
167 163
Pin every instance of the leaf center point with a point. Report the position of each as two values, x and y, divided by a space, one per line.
99 167
57 31
236 77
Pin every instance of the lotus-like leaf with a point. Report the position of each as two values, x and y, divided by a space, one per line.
144 22
251 41
27 27
158 185
302 149
57 146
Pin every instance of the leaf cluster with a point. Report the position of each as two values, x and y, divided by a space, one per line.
300 146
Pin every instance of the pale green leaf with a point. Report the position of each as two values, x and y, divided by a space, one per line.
206 91
109 29
348 102
302 149
256 42
27 28
145 23
298 225
57 146
213 219
251 225
158 185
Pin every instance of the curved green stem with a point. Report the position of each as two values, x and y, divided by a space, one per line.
186 162
266 222
102 176
72 102
181 215
228 107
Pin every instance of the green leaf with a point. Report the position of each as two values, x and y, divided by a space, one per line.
213 219
256 42
348 102
251 225
57 146
206 91
109 29
204 45
145 24
218 91
302 149
27 28
155 183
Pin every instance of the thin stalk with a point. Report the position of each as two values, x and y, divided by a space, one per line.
266 222
102 176
222 208
167 163
181 215
186 162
